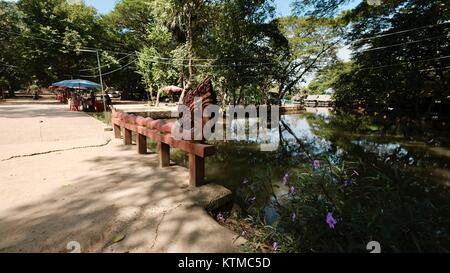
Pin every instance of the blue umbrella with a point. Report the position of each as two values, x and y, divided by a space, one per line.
77 84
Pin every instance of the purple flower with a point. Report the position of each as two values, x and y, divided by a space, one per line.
348 182
275 246
286 179
220 218
316 164
330 220
293 217
292 190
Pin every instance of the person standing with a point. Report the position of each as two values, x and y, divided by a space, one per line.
108 101
92 102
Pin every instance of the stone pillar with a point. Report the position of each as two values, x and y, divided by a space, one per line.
117 133
141 144
127 137
196 171
164 154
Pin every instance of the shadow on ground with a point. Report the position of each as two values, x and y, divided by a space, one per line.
109 195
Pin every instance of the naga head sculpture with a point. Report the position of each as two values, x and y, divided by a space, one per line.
204 91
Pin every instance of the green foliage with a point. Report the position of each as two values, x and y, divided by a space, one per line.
318 8
246 46
401 53
129 22
327 78
233 42
377 176
53 31
312 46
43 42
237 43
10 24
154 61
368 201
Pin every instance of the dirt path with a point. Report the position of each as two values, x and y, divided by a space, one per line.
90 189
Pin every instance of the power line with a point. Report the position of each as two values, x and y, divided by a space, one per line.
240 65
107 65
110 72
32 36
152 60
367 38
433 69
362 39
200 59
398 32
8 65
157 59
391 65
117 52
61 43
405 43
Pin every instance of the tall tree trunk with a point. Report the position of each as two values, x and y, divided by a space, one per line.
180 101
150 98
190 46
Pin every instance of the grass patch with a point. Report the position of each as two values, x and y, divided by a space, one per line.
104 117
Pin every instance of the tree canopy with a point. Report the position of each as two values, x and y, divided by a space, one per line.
400 49
145 45
401 53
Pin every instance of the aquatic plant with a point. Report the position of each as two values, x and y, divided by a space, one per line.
360 204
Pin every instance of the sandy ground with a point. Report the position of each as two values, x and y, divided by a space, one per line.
63 179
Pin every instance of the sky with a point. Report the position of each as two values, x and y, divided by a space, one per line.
105 6
283 6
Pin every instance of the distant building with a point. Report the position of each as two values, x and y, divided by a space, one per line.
329 91
75 2
319 101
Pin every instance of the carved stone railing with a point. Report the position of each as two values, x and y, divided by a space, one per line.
160 132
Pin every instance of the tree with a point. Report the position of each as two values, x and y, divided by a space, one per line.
401 51
234 42
129 22
155 63
318 8
10 25
327 78
312 43
53 32
243 46
184 19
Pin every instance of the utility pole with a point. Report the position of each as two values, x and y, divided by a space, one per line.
101 79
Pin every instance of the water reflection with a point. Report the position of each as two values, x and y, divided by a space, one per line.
319 132
404 167
401 195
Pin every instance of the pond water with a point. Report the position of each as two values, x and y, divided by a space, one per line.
381 154
423 152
